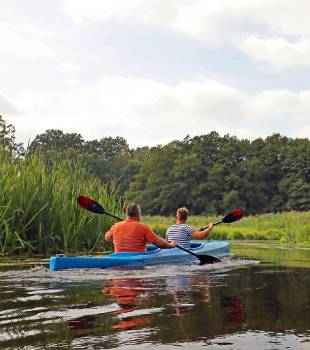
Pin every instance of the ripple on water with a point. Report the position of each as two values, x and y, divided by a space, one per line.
41 302
41 274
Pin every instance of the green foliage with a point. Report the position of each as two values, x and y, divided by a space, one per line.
284 227
38 210
209 174
213 174
105 158
7 139
55 140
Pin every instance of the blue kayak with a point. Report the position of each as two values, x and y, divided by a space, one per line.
153 256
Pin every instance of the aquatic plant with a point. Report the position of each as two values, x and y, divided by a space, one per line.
38 211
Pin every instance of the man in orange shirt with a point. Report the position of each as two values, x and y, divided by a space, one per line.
131 236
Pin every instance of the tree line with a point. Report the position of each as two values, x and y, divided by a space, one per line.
208 174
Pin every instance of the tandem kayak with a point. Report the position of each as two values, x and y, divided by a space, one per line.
153 256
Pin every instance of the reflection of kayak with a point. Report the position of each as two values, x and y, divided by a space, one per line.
152 256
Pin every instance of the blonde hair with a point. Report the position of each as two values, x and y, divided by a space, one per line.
182 213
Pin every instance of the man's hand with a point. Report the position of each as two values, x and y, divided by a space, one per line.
210 226
161 243
173 244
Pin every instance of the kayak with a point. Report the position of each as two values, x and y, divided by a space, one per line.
153 256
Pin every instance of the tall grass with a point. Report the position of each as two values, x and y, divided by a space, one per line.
285 227
38 211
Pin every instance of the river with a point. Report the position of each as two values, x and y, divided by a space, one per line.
260 299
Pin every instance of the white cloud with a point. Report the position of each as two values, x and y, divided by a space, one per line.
6 106
68 67
282 105
146 112
150 11
72 82
304 131
220 21
23 39
277 51
200 17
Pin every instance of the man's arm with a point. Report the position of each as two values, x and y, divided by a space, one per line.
161 243
153 238
202 234
108 236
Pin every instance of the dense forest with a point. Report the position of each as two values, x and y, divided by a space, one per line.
208 173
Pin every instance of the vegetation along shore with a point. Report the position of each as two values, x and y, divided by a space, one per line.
211 175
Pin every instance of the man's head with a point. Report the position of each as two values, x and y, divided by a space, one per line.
182 214
133 210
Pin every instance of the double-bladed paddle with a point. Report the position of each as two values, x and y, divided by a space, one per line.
233 216
91 205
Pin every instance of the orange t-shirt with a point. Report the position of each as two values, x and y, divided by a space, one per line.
131 236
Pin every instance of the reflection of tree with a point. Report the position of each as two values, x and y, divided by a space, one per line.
235 308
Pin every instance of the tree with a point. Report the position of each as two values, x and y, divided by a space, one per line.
56 140
7 138
108 147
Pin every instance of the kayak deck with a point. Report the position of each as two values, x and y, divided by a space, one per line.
152 256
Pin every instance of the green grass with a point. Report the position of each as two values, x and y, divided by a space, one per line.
38 210
284 227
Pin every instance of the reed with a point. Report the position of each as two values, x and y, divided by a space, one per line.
38 211
285 227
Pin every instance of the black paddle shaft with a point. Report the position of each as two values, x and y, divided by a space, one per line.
204 228
113 216
233 216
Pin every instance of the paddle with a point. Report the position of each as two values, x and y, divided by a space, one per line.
203 258
91 205
233 216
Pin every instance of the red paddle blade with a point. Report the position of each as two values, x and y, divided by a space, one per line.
89 204
233 216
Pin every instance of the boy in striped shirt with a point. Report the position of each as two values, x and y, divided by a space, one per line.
182 233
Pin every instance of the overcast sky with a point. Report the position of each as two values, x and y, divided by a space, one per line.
154 71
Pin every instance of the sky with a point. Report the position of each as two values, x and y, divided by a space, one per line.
155 71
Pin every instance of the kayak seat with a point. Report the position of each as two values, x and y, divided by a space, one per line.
194 245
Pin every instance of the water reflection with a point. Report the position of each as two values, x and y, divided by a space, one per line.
235 309
128 293
181 289
166 306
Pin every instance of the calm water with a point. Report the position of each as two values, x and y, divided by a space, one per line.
252 302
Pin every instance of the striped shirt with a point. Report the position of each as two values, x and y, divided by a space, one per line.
180 233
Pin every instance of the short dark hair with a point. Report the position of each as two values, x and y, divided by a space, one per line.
132 210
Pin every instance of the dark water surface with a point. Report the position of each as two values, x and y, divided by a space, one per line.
239 304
